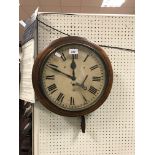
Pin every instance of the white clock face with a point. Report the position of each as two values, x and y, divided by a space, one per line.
73 77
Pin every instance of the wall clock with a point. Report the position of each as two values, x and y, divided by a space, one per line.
72 77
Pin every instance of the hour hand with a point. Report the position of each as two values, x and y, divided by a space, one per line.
73 66
55 69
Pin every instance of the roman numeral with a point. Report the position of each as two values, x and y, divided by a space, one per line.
63 57
71 101
85 58
92 90
75 56
94 67
52 88
52 65
60 98
50 77
95 78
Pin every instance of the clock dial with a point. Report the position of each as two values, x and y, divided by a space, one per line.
72 76
73 81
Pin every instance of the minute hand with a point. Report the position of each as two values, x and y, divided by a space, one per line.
69 76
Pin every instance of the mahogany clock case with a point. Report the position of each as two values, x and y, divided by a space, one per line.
36 74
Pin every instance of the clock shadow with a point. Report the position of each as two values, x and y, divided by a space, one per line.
89 131
75 124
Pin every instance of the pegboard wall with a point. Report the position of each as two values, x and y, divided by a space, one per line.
109 129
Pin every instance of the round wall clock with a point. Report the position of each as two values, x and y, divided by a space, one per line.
72 77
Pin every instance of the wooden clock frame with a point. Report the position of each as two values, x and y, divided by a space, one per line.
51 48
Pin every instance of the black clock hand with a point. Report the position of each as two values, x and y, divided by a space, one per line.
55 69
73 66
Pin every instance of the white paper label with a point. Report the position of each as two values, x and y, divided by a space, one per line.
22 23
26 65
73 51
57 54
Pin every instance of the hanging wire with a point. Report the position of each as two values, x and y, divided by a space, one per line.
106 46
52 27
119 48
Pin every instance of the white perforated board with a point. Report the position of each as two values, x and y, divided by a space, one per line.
109 129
